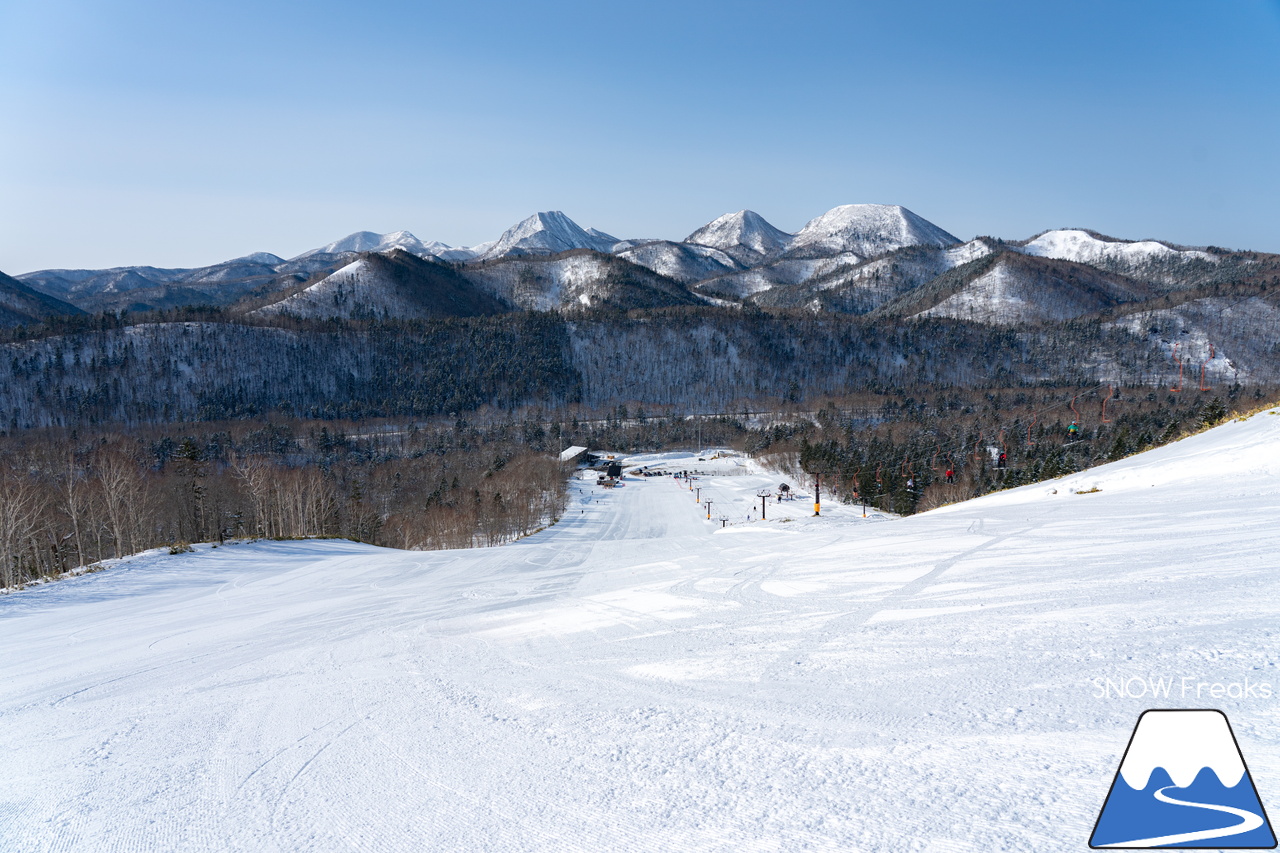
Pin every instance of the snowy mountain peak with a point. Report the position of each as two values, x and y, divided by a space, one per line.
1074 244
264 258
547 233
867 230
746 229
369 241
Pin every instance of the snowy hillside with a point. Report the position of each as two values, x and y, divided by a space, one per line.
867 230
780 274
397 285
1168 267
547 234
575 280
370 241
680 261
637 678
854 287
1229 337
745 236
1085 248
1008 289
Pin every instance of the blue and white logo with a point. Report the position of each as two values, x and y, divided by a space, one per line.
1183 783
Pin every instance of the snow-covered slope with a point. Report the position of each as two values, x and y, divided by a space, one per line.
859 288
745 236
1008 288
542 233
681 261
577 279
547 233
636 678
369 241
396 285
867 230
263 258
781 274
1165 266
1085 248
1229 338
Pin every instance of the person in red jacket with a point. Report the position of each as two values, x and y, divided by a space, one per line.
951 476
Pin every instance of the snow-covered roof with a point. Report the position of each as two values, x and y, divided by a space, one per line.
571 453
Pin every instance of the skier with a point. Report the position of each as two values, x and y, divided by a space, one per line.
1073 430
1003 459
951 476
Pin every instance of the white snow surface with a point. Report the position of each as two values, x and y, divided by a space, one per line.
635 677
1082 247
868 230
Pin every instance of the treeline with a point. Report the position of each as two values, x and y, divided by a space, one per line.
73 499
209 368
962 445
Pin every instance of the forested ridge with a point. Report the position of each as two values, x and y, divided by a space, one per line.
125 432
72 498
200 364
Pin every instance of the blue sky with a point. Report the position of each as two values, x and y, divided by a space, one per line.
187 133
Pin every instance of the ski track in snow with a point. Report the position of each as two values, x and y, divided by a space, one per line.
637 678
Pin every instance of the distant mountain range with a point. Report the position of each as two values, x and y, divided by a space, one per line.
872 259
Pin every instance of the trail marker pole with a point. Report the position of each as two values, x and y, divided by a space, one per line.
817 494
